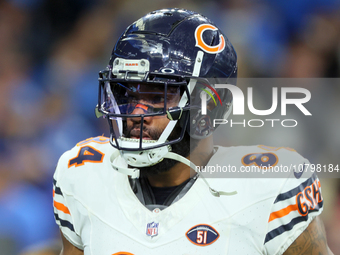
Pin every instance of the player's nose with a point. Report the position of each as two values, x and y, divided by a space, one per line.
139 110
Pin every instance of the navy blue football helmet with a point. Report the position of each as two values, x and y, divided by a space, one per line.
168 58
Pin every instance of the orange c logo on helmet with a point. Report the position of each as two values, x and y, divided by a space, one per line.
200 43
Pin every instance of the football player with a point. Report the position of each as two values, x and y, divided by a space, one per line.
139 191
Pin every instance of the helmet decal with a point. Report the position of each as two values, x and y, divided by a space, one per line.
167 70
200 42
210 94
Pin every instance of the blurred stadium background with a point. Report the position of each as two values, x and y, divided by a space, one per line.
50 55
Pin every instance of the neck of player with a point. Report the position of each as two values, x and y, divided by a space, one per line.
180 172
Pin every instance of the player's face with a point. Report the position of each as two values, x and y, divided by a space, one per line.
145 99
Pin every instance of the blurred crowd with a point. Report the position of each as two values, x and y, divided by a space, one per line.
50 55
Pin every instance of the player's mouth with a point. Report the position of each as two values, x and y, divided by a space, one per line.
135 134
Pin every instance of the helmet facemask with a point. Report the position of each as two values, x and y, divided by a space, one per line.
130 103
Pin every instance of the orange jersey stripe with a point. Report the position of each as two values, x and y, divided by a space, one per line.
61 207
282 212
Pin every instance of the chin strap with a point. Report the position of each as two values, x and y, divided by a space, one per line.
119 164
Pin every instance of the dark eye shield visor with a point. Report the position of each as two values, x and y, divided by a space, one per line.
155 98
131 98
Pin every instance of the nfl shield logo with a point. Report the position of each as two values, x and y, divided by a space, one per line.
152 229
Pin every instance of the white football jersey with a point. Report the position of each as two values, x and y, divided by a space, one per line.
98 212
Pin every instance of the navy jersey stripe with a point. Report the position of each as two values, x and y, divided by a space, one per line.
283 228
295 191
278 231
64 223
58 191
